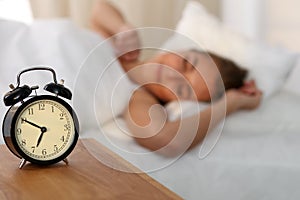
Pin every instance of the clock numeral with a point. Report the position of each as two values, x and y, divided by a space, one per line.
67 127
44 152
41 106
55 148
61 115
30 111
33 149
62 138
23 142
52 109
19 131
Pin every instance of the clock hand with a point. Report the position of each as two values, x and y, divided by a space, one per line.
31 123
44 129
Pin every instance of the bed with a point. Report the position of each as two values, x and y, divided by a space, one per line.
254 157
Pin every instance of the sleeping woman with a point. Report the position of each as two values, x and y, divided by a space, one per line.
174 76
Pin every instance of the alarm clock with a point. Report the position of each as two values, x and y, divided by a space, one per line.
41 129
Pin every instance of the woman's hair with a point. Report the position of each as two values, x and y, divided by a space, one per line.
232 75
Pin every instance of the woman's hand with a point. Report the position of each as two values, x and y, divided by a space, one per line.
247 97
127 43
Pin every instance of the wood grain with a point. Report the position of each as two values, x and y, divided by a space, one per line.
84 178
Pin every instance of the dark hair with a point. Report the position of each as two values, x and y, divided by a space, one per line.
232 75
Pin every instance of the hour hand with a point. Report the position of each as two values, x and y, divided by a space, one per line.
40 138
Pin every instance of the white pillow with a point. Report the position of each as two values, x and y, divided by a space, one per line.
269 66
293 81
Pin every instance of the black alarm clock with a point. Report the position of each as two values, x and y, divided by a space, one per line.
41 129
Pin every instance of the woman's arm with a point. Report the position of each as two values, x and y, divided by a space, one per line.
148 122
108 21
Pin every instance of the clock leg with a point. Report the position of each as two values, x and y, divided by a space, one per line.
22 163
66 161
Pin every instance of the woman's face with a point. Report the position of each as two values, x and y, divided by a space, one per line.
184 76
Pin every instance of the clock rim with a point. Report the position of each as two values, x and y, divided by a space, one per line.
13 125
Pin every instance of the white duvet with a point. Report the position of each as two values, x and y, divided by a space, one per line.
64 47
256 156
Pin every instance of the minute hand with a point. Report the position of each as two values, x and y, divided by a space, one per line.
31 123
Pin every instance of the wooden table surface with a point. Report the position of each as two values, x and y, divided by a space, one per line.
84 178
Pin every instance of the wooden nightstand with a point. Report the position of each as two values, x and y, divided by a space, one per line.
84 178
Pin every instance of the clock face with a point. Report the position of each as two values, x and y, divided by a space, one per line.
45 130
